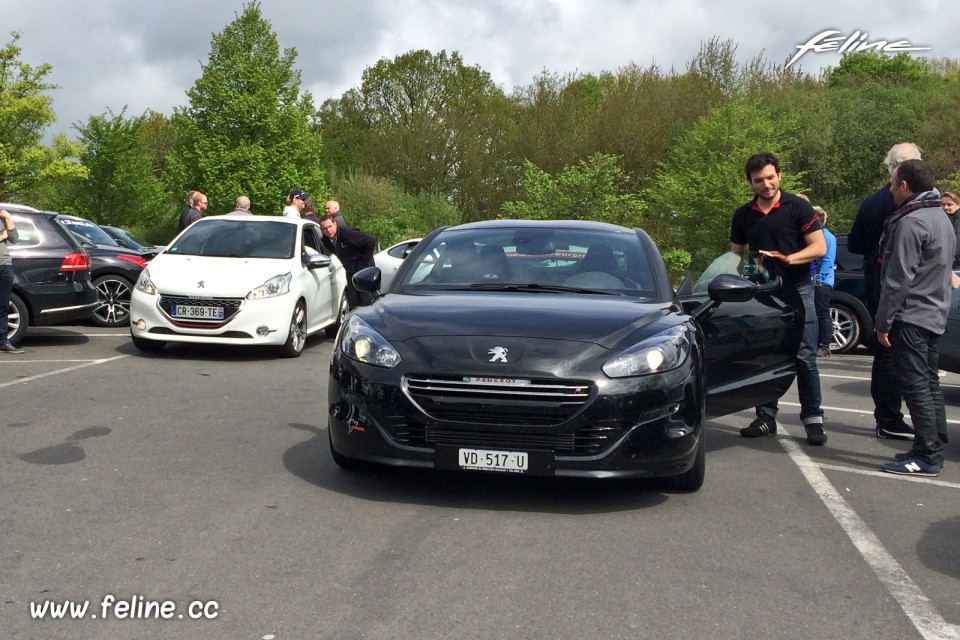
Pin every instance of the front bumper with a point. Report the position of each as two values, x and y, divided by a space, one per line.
627 428
254 322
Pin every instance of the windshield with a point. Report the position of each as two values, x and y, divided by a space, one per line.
88 230
540 259
235 238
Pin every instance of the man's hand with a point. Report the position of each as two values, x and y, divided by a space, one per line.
776 255
883 338
954 280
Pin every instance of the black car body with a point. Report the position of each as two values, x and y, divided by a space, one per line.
852 322
114 270
126 239
554 348
52 283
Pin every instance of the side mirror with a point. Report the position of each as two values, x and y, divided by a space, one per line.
318 261
367 280
727 287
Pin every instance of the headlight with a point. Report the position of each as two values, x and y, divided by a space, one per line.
144 284
666 350
275 286
358 341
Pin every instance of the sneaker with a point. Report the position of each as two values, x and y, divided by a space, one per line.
7 347
912 467
761 426
903 456
900 431
815 435
823 352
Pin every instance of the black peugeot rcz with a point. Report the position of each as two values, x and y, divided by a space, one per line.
552 348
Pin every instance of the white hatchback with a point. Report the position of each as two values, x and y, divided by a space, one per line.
240 280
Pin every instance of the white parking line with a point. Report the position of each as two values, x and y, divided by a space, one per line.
905 591
888 476
860 411
59 371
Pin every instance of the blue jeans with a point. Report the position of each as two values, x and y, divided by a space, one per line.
808 377
916 359
821 296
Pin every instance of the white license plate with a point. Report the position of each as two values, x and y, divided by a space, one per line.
193 311
485 460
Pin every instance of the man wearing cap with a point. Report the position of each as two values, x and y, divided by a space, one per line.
295 203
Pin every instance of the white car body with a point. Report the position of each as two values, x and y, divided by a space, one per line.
232 273
390 259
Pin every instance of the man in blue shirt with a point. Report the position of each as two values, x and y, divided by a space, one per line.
824 287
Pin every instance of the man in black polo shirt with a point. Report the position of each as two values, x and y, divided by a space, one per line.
784 229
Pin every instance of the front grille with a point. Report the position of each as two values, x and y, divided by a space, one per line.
535 403
230 308
584 441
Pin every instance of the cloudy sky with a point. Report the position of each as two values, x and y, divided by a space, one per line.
143 54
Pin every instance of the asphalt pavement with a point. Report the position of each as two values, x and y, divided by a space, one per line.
191 494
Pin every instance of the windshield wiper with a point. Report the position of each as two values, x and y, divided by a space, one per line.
538 288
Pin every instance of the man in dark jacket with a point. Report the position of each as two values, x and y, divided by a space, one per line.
353 247
917 259
864 239
196 205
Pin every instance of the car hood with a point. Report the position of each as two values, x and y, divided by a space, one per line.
206 276
610 322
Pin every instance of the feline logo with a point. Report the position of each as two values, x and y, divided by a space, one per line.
499 354
831 40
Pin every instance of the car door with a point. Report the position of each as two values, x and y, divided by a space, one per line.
321 307
749 347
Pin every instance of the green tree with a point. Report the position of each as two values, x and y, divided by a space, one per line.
593 189
120 187
701 181
431 124
246 130
26 109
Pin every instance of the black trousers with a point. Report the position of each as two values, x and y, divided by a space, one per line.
884 388
821 298
916 359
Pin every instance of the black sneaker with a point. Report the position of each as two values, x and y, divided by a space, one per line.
7 347
815 435
900 431
761 426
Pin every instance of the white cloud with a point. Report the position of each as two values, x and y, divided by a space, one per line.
111 53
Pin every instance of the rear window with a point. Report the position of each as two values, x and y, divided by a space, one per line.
88 230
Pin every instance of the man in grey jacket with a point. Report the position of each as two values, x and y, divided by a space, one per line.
917 255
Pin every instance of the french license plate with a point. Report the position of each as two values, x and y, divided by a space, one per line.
194 311
486 460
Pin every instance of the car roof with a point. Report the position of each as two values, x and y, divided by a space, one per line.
586 225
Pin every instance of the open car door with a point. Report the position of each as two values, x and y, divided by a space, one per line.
751 337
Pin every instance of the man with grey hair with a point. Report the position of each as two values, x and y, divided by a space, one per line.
864 239
242 207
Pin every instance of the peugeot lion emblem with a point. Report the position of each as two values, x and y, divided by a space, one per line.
200 285
499 354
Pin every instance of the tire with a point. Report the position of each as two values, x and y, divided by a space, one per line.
846 328
342 311
297 335
148 346
692 479
18 318
345 463
113 298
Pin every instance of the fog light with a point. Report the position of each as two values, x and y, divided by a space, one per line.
263 331
141 325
